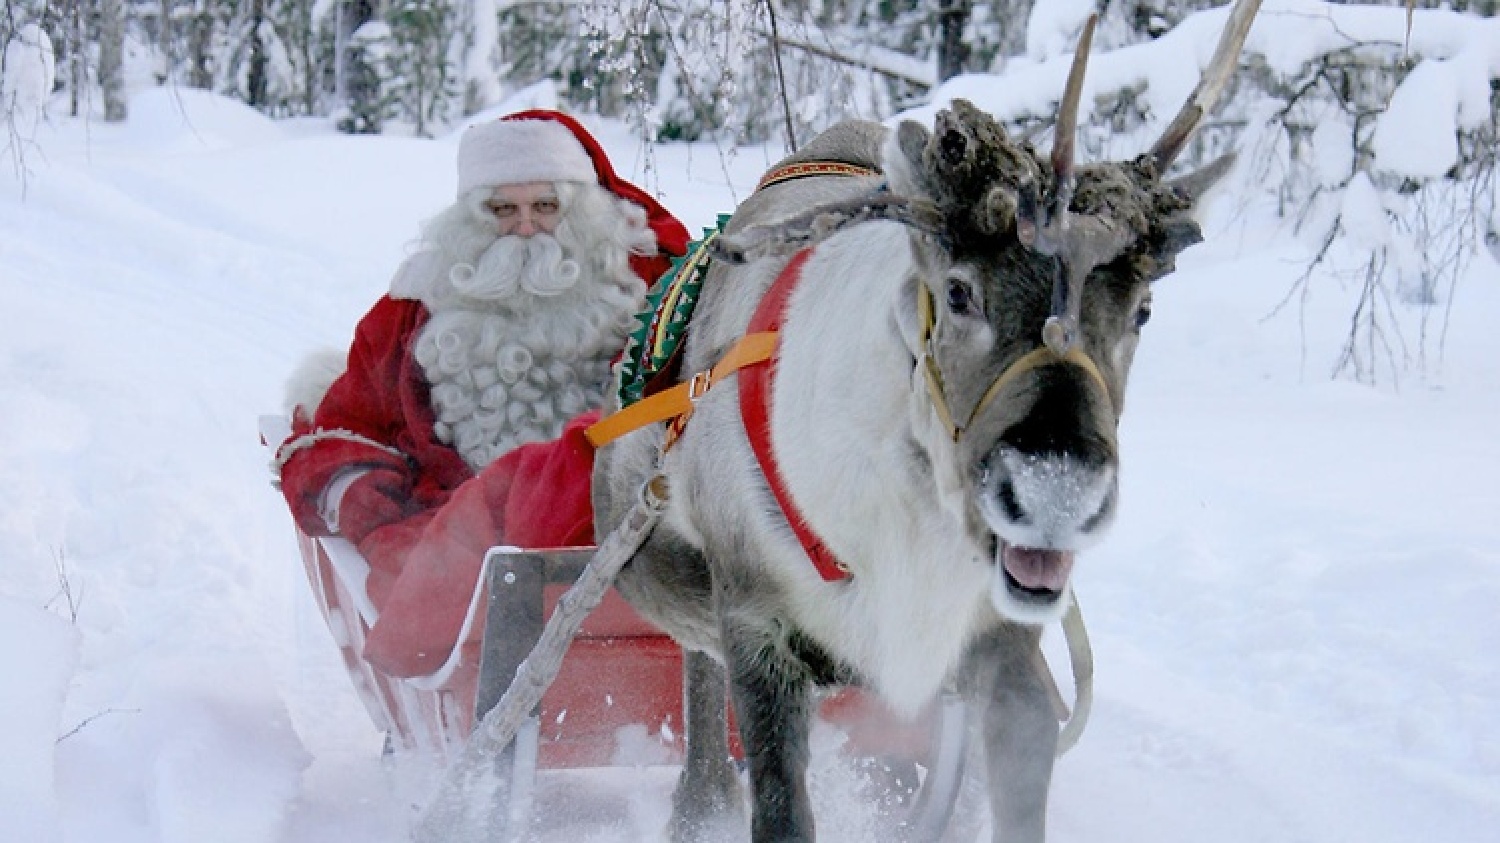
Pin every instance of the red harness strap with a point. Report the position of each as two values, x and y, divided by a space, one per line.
755 410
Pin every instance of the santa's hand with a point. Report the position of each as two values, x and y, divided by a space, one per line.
374 497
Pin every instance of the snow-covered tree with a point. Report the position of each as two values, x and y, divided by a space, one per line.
369 102
478 55
27 71
556 41
305 28
348 17
423 73
1383 153
759 69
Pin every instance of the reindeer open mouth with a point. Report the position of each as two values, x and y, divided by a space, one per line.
1041 509
1033 574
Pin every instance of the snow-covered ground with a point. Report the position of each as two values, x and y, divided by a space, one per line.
1294 620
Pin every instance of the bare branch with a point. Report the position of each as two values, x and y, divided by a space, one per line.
786 104
72 599
91 718
863 63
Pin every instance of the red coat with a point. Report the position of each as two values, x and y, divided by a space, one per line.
424 566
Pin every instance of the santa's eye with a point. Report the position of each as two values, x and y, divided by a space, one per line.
504 210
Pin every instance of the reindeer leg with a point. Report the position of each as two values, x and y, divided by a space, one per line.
1019 731
707 804
772 701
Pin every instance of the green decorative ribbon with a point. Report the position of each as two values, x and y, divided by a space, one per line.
669 306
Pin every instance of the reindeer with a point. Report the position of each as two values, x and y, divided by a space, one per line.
949 372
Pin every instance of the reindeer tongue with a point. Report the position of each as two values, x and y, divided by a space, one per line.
1037 569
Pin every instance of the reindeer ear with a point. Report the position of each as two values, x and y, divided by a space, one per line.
1178 233
1196 185
1167 239
902 159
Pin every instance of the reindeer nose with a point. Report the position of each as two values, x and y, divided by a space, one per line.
1047 500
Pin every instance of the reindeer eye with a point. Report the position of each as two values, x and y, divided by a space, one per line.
1143 314
961 297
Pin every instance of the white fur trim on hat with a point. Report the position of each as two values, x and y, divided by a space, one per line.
520 151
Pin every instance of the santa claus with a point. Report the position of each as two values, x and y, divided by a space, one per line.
457 422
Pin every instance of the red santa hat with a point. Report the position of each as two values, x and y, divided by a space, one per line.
543 145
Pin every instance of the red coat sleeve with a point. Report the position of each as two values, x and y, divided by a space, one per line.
360 422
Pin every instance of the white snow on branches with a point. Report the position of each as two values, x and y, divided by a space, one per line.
27 70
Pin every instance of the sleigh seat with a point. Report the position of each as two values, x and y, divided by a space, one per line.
617 698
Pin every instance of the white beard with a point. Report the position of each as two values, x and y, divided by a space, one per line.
521 338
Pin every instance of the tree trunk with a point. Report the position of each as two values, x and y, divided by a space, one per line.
482 40
200 66
952 52
164 41
112 59
311 78
78 69
255 78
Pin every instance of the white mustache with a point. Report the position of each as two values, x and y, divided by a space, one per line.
535 264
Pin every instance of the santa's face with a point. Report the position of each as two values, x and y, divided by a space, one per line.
523 210
531 297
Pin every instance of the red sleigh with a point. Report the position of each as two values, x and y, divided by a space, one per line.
618 697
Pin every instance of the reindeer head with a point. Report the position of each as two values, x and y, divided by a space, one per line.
1030 297
1033 282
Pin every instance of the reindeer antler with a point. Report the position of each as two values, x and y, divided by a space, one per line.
1210 86
1084 242
1078 243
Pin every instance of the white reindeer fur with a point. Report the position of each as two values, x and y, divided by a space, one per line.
919 586
919 583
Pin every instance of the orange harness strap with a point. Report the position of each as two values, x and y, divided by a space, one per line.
677 402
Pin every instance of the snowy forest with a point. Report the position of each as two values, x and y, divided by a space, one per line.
754 68
1294 618
1338 130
